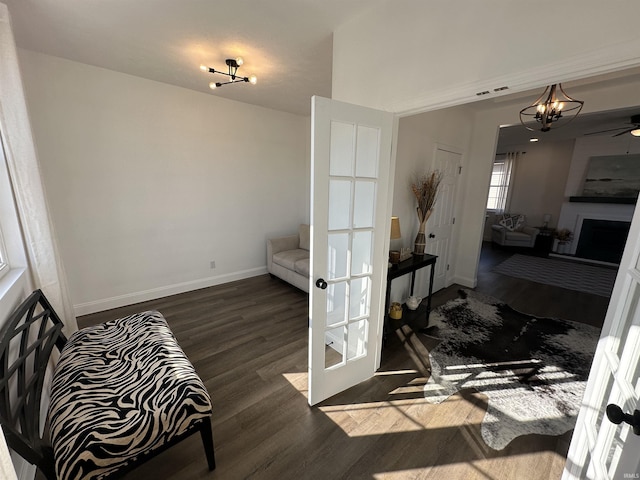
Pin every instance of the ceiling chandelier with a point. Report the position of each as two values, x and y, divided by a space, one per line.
233 64
556 108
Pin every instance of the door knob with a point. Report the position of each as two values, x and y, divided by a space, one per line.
320 283
431 235
617 416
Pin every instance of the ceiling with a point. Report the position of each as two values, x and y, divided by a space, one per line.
597 124
589 124
286 43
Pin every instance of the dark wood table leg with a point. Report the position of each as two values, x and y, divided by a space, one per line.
385 325
433 265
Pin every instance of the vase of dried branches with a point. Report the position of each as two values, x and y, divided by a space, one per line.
425 189
420 242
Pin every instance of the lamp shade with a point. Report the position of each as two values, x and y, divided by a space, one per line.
395 228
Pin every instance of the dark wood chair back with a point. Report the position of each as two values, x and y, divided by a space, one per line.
26 343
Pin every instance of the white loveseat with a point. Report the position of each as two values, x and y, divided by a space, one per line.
288 258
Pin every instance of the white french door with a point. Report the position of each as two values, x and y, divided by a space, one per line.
350 222
600 449
440 227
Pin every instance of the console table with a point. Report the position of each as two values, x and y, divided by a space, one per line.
410 265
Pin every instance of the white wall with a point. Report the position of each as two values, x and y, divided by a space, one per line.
540 178
408 56
481 154
418 136
405 55
538 182
587 147
148 183
572 213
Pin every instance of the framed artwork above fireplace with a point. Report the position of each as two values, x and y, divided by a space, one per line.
613 176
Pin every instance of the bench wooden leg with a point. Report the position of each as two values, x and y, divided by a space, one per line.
207 442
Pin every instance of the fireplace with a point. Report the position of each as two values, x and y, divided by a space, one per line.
602 240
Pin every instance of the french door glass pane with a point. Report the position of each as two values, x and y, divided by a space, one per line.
368 143
357 339
364 204
359 297
342 149
615 451
336 303
622 328
339 203
361 253
334 351
337 255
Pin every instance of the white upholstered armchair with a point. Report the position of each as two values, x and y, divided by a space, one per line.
512 231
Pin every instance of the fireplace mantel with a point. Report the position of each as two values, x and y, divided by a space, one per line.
573 213
618 200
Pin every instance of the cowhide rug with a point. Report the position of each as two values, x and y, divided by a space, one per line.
533 370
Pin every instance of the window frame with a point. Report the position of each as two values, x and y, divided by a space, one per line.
504 184
4 260
9 223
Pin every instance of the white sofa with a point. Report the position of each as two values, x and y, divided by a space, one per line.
288 258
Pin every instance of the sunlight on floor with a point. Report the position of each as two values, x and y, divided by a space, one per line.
452 472
405 411
481 469
395 372
299 381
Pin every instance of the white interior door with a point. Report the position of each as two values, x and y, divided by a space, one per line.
600 449
440 226
350 222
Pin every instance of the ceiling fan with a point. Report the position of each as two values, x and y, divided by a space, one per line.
633 130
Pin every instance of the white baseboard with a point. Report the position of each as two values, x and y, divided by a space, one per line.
160 292
466 281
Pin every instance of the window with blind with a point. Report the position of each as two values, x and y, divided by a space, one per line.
499 186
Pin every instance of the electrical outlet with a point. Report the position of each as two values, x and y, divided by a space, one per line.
212 264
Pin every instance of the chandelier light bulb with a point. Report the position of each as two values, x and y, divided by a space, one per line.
213 85
204 68
636 132
253 79
239 61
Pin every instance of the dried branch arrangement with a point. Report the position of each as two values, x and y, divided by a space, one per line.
425 189
564 235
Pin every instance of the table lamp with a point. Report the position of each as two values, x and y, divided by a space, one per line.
394 255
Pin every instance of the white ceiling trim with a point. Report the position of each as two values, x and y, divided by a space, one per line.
598 62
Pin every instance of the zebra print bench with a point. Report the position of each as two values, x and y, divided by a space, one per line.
122 392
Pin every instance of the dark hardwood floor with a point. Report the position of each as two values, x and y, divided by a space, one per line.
536 298
248 342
